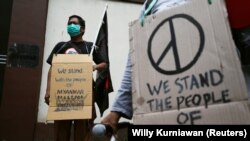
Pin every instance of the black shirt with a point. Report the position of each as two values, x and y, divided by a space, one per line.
76 48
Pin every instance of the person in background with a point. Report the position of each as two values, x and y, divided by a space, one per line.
76 45
239 19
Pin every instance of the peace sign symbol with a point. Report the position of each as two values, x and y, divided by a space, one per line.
157 60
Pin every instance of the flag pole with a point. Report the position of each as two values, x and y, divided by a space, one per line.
100 25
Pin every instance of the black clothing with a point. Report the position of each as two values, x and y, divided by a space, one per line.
81 47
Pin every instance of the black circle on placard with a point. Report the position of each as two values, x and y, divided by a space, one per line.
172 44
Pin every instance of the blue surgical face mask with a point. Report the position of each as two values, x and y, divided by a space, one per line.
73 29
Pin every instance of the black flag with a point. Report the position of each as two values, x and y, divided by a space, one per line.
103 79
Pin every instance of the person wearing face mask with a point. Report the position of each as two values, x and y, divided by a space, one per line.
76 45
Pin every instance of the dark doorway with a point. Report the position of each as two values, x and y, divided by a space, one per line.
23 24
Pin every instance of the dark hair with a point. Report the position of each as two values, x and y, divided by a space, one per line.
80 19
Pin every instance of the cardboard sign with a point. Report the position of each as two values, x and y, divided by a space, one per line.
184 57
71 87
234 113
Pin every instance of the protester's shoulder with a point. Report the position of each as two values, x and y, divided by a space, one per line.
59 44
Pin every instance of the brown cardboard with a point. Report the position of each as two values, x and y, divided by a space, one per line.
184 57
219 114
71 87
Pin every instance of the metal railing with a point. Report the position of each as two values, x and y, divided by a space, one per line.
3 59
